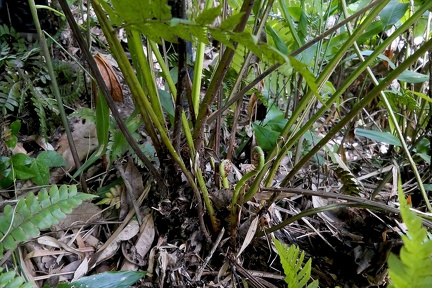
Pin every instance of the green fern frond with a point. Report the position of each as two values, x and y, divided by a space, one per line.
70 81
292 261
34 213
39 109
414 267
11 279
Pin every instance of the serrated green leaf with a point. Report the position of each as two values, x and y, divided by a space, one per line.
208 16
33 214
114 17
303 69
6 277
415 263
222 37
33 203
51 159
18 234
231 22
132 11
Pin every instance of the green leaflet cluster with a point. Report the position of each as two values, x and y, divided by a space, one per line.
296 276
34 213
11 279
25 82
414 267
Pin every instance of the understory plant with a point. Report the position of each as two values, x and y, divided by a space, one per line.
269 53
25 85
297 274
29 216
414 265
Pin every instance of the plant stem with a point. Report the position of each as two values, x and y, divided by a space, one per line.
56 90
392 119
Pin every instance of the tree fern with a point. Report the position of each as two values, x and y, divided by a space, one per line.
11 279
414 267
34 213
292 261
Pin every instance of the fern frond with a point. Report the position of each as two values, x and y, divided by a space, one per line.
39 109
292 261
11 279
351 185
34 213
70 81
414 267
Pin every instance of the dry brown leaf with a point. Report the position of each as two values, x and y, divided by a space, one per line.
81 270
132 176
110 77
86 142
249 235
127 233
85 213
146 237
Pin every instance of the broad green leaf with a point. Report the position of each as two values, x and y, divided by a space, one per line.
383 137
6 178
20 159
280 45
102 120
4 163
392 13
41 173
231 22
266 137
119 279
15 126
11 143
114 17
51 159
166 102
208 16
412 77
24 172
374 29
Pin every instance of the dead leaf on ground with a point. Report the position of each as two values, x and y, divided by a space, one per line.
85 139
127 233
85 213
146 237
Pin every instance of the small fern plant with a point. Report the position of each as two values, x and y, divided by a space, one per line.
11 279
291 259
414 267
35 213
